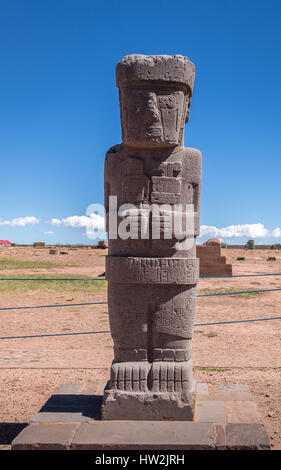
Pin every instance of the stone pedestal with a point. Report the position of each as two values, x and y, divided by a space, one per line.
225 417
148 406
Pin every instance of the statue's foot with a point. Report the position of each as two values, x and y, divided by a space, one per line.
130 376
154 377
171 377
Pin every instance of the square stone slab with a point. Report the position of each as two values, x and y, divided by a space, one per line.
246 437
242 412
211 412
229 392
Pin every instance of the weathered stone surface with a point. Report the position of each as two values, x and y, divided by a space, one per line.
220 436
202 391
134 405
246 437
44 437
152 270
164 68
152 273
211 411
144 435
242 411
58 429
67 416
230 392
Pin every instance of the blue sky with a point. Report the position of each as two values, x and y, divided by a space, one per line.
60 111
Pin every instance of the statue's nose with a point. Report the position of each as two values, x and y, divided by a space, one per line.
152 109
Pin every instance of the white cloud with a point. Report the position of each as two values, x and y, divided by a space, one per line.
49 233
239 231
20 221
95 222
276 233
92 222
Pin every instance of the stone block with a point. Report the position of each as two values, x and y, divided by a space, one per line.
246 437
211 261
144 435
230 392
242 411
202 391
211 411
64 417
148 406
44 437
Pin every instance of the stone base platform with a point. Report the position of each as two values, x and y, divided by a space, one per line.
225 417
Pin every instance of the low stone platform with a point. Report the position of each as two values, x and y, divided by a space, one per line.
225 417
212 263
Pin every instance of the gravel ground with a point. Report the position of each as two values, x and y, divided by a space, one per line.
231 353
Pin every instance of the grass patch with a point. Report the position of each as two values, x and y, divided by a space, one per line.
211 334
9 263
212 369
224 289
95 287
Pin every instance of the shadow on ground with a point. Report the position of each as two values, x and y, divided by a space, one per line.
85 405
8 432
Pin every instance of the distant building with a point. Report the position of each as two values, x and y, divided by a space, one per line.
5 243
39 244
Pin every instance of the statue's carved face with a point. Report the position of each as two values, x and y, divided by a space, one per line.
153 116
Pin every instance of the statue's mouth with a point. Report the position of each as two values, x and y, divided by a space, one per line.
154 131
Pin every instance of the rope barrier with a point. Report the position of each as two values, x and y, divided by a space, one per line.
100 303
240 275
238 292
51 279
236 321
53 306
108 331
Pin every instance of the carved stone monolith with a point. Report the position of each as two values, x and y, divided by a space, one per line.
152 279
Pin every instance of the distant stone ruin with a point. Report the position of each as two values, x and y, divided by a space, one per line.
39 244
212 263
250 245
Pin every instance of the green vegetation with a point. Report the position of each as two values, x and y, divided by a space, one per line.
10 263
211 334
212 369
95 287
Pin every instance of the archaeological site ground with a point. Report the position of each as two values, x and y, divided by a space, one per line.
32 368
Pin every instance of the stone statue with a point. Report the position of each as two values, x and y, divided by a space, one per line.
152 282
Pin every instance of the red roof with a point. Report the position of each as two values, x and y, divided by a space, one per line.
5 242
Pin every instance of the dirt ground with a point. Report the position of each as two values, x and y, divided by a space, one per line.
31 368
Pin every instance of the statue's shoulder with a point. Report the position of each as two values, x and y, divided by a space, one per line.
115 152
114 161
192 153
192 164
